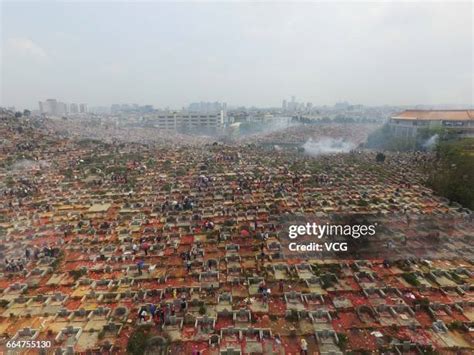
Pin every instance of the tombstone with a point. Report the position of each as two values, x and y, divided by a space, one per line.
225 297
157 341
293 297
26 332
69 329
214 340
40 298
141 294
439 326
232 247
205 323
274 246
111 327
80 312
231 351
242 315
59 296
212 263
64 312
120 311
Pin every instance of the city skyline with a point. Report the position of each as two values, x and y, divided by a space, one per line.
287 105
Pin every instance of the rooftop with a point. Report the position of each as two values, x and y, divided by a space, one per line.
436 115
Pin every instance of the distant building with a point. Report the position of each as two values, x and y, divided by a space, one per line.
62 109
7 112
133 108
147 108
115 108
292 106
73 108
53 107
207 106
83 108
187 121
341 105
101 110
407 123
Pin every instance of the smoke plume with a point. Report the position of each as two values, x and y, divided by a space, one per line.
431 142
328 145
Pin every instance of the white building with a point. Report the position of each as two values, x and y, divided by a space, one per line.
183 121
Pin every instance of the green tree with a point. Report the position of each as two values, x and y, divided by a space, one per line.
137 343
453 175
380 157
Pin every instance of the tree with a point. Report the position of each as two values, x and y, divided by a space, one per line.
383 138
380 157
26 113
453 174
18 114
411 278
137 342
342 340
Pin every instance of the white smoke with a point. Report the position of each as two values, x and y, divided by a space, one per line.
27 164
431 142
327 145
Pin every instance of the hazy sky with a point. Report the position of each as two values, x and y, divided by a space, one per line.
170 54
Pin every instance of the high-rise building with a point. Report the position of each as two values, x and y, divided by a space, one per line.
73 108
83 108
284 105
62 109
292 106
51 107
